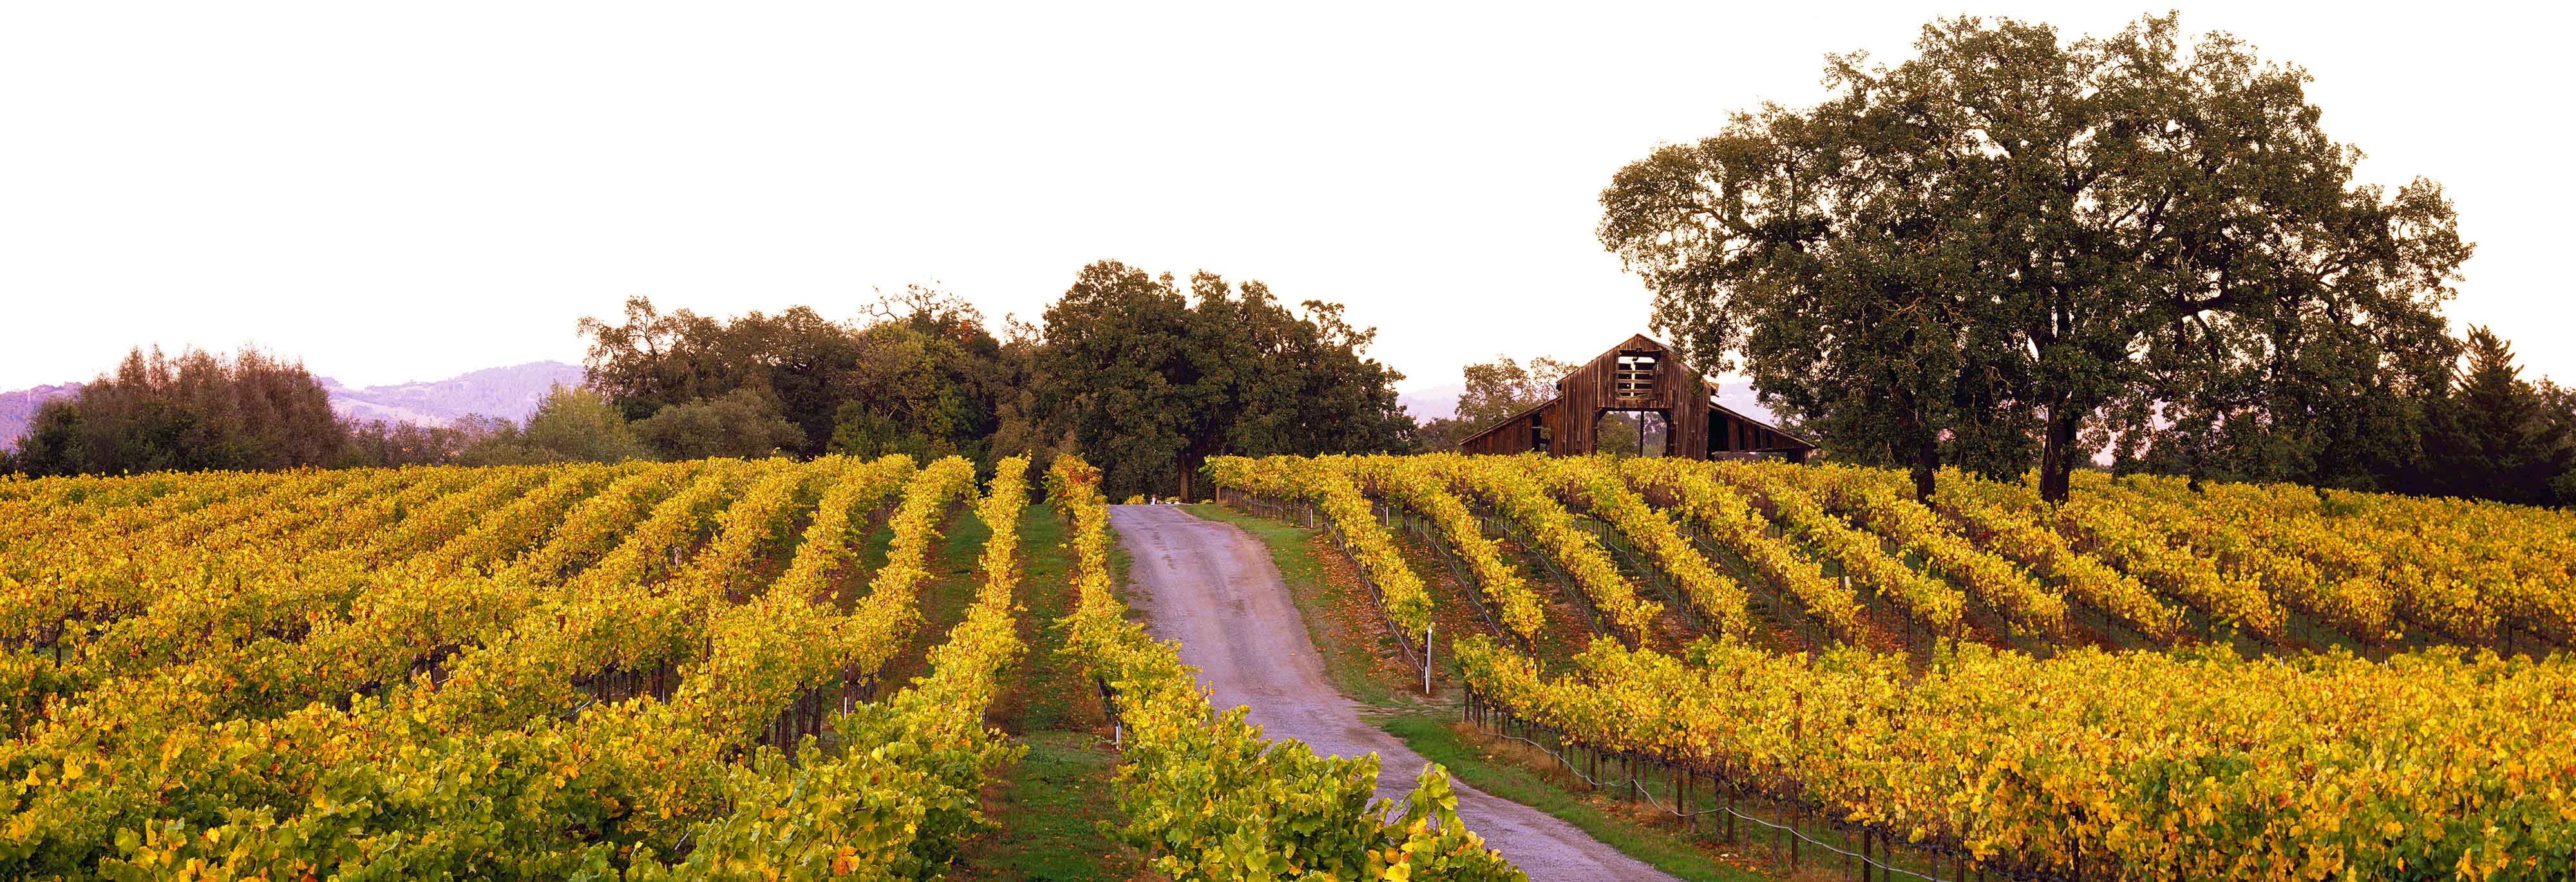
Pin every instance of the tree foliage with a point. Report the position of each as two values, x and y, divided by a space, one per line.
379 444
917 372
193 412
1127 365
656 360
572 424
1151 381
743 423
1971 256
1496 390
1493 391
2497 436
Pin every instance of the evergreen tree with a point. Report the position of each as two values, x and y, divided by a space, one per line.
2494 436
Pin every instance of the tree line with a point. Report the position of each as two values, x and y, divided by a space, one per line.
1146 375
200 411
190 412
2014 253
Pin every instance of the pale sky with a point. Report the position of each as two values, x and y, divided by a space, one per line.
410 192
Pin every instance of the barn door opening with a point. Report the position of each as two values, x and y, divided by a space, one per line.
1633 433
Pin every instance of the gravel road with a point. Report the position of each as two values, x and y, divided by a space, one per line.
1212 587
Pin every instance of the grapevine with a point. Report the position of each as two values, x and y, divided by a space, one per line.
1512 491
1733 524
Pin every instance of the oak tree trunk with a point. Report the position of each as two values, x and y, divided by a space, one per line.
2057 455
1927 464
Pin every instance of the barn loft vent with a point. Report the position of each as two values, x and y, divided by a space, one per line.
1635 377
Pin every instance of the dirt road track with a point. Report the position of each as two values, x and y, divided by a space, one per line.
1212 587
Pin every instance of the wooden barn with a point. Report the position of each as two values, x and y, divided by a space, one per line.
1638 376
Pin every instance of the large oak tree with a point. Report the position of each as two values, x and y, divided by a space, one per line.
1976 253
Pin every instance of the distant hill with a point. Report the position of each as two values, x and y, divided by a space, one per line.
18 408
1431 402
507 392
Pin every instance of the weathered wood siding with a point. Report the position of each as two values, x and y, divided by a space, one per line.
1736 433
1522 433
1608 383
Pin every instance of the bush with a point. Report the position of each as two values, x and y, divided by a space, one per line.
573 424
744 423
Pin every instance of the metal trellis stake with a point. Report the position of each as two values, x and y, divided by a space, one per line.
1426 659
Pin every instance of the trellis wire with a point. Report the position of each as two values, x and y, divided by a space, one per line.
1476 709
1637 785
1546 559
1421 528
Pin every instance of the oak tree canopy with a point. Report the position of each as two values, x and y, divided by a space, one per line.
1980 254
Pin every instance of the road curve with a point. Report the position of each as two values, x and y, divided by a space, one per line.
1212 587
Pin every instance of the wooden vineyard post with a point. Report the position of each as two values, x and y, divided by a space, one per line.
1864 865
1797 837
1788 844
1730 813
1681 799
1864 855
1861 860
1563 752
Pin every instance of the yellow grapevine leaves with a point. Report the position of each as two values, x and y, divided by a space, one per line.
1595 482
1731 522
1515 493
397 673
2197 765
1412 483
